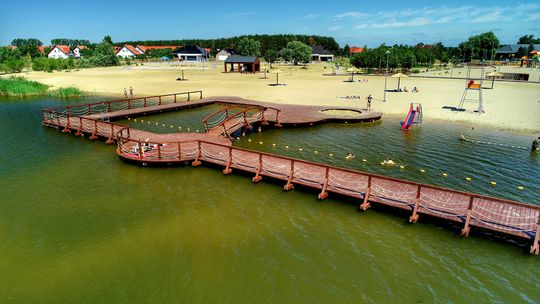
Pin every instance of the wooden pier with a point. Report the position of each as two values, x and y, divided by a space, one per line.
470 210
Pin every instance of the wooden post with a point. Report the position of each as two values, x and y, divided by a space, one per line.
144 102
159 151
289 184
109 106
79 131
94 133
535 248
174 98
129 104
89 110
414 217
66 128
188 96
278 125
197 162
466 229
258 177
200 94
365 205
141 152
228 169
159 103
110 140
323 193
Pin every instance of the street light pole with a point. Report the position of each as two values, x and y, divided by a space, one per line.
386 74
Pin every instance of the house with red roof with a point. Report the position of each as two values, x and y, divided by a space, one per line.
60 51
355 49
146 48
128 51
77 51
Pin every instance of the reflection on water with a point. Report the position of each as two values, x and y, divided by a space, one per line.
79 225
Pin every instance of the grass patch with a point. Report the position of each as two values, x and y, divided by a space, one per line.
66 92
18 86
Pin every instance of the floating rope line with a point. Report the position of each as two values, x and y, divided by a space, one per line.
463 138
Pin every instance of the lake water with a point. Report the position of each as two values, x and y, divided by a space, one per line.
78 225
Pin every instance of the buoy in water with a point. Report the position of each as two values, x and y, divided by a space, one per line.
493 183
316 152
520 188
330 154
260 143
273 145
364 160
468 179
286 147
422 170
300 149
249 139
445 174
402 167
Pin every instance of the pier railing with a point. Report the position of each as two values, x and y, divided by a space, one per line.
120 104
505 216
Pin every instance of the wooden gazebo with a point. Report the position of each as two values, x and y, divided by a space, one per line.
245 64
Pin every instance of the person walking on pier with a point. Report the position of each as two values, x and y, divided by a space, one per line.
369 99
125 93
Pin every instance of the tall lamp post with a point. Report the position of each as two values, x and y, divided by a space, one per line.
386 74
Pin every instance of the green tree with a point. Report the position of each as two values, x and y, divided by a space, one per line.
296 52
107 39
103 55
270 56
528 39
346 50
249 47
480 46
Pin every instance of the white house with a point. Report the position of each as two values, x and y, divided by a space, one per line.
77 51
191 53
224 54
319 53
60 51
128 51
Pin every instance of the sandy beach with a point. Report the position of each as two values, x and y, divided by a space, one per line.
509 106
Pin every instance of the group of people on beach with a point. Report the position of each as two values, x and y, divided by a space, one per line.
130 92
414 90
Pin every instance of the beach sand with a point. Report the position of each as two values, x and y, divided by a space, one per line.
509 106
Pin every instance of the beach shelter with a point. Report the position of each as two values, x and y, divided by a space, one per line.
493 75
277 72
352 71
398 76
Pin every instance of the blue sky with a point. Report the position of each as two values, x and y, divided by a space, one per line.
353 22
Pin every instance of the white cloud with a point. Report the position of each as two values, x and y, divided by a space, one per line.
535 16
335 28
311 16
411 23
361 26
351 14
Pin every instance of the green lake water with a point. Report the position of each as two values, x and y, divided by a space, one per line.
77 225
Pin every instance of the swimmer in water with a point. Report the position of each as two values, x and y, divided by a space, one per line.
388 161
349 156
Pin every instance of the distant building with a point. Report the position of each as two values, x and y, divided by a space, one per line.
191 53
60 51
77 51
223 54
146 48
244 64
506 51
355 50
319 53
128 51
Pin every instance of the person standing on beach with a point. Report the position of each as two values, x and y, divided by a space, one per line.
130 91
369 98
125 93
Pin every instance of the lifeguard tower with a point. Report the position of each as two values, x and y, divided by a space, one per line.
473 89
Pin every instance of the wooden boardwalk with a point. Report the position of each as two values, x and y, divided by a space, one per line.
471 210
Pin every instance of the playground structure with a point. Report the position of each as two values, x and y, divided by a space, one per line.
473 90
413 117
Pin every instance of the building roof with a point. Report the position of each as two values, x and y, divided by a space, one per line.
242 59
41 49
355 49
131 48
513 48
190 49
64 48
320 50
145 48
81 47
